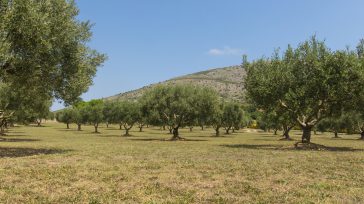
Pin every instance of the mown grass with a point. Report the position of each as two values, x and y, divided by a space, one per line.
53 165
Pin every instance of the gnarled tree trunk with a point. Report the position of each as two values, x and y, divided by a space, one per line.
126 132
170 130
286 131
79 126
141 125
228 130
306 135
127 129
217 130
176 134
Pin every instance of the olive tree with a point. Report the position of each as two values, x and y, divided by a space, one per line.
108 112
128 115
334 124
217 118
93 113
311 82
65 116
44 47
41 110
232 116
142 116
207 103
80 114
174 104
359 107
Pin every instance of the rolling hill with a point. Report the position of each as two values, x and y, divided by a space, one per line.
227 81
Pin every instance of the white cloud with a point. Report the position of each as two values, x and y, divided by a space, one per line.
225 51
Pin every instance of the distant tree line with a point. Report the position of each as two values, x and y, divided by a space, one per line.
169 107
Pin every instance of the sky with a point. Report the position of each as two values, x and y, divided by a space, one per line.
148 41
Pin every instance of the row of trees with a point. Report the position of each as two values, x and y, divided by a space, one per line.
43 55
170 107
307 86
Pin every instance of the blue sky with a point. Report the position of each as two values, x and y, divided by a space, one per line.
148 41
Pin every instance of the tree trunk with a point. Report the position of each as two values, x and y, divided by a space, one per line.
217 130
228 131
306 135
164 127
120 127
107 124
127 132
79 127
96 127
191 129
2 131
286 133
336 134
141 129
175 134
362 135
202 127
126 128
170 130
39 122
275 131
68 126
233 130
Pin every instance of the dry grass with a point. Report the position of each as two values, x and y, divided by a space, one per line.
53 165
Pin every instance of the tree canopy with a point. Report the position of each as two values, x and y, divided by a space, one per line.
44 51
311 82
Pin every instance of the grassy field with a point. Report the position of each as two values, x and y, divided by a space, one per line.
53 165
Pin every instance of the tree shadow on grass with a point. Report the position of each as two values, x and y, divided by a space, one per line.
222 136
25 152
36 126
17 140
312 147
15 132
167 140
160 133
111 128
266 139
67 130
14 135
268 135
348 139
